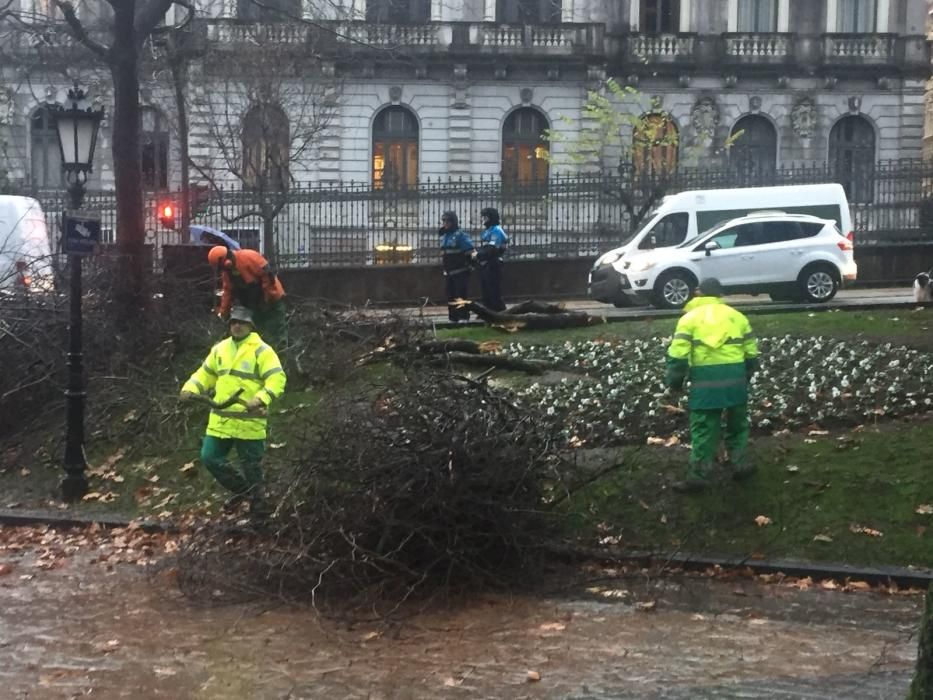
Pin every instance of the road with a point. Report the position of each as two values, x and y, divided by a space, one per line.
845 299
80 627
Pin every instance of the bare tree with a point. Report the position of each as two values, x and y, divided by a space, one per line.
268 109
113 34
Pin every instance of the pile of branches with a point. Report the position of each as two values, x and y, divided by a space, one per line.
437 485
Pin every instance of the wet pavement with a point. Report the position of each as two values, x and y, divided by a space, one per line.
846 299
84 625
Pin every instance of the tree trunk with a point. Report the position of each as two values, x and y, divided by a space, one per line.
268 238
180 82
132 273
922 686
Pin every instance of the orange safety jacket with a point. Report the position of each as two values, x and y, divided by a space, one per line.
251 282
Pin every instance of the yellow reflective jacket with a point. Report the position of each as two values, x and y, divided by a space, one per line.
714 344
248 364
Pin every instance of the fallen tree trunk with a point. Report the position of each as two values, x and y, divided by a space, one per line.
535 320
498 361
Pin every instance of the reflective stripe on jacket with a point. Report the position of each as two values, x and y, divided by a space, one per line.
714 344
250 365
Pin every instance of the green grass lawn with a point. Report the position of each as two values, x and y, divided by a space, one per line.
816 492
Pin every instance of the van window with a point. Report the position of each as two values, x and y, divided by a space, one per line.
736 237
669 231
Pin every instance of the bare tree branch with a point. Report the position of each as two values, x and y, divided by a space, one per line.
80 33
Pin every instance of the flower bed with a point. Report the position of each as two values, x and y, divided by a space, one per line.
810 381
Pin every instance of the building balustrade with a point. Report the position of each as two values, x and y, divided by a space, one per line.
660 47
859 48
758 47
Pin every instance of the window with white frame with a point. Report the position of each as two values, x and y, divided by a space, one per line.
660 16
759 16
154 142
45 150
856 16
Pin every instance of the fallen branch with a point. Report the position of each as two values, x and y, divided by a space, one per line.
551 319
499 361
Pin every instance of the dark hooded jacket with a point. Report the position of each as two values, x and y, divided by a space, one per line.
456 246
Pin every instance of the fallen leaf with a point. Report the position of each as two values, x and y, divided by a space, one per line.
672 441
6 569
188 467
858 586
861 530
370 635
647 606
452 682
552 627
153 479
792 468
644 505
818 432
655 441
91 496
829 585
533 677
277 445
822 538
24 472
924 509
762 521
663 519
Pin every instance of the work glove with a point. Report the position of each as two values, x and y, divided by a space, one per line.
186 396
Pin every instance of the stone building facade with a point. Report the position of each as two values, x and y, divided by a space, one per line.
422 89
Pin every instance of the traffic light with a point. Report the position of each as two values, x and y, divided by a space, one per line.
167 216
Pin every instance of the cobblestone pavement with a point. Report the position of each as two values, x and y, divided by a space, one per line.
84 630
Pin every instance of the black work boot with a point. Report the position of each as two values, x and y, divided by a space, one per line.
740 472
232 504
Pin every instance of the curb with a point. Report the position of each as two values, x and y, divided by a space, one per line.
25 518
752 310
902 576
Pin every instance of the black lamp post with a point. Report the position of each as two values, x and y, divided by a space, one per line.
77 127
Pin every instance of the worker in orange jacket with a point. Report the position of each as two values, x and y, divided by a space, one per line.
249 280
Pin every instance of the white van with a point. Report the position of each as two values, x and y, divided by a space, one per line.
683 216
25 250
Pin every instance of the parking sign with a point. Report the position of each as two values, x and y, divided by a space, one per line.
81 231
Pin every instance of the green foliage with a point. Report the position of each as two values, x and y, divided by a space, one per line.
922 686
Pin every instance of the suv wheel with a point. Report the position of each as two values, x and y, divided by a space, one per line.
673 289
818 283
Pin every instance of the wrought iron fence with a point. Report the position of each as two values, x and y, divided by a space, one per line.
570 216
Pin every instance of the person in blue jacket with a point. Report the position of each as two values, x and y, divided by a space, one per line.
459 253
494 243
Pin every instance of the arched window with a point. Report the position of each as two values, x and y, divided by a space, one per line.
154 149
852 156
268 10
753 153
524 148
266 144
654 145
46 152
395 149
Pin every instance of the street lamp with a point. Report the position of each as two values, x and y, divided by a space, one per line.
77 127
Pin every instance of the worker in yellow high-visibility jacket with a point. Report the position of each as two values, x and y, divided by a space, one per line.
714 346
240 363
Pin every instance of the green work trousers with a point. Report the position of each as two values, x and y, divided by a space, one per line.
705 429
271 324
242 481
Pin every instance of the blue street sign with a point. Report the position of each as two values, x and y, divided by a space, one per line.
81 232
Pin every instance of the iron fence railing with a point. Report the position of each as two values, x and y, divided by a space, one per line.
569 216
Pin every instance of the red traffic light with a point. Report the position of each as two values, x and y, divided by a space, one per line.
167 216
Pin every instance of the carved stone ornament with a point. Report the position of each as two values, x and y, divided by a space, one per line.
829 82
501 72
705 117
730 81
683 80
553 73
884 83
395 94
632 80
421 71
460 73
754 104
783 81
526 95
803 118
855 104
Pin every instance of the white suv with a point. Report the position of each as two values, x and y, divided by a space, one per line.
790 256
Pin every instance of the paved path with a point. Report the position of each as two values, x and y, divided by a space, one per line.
82 629
847 298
